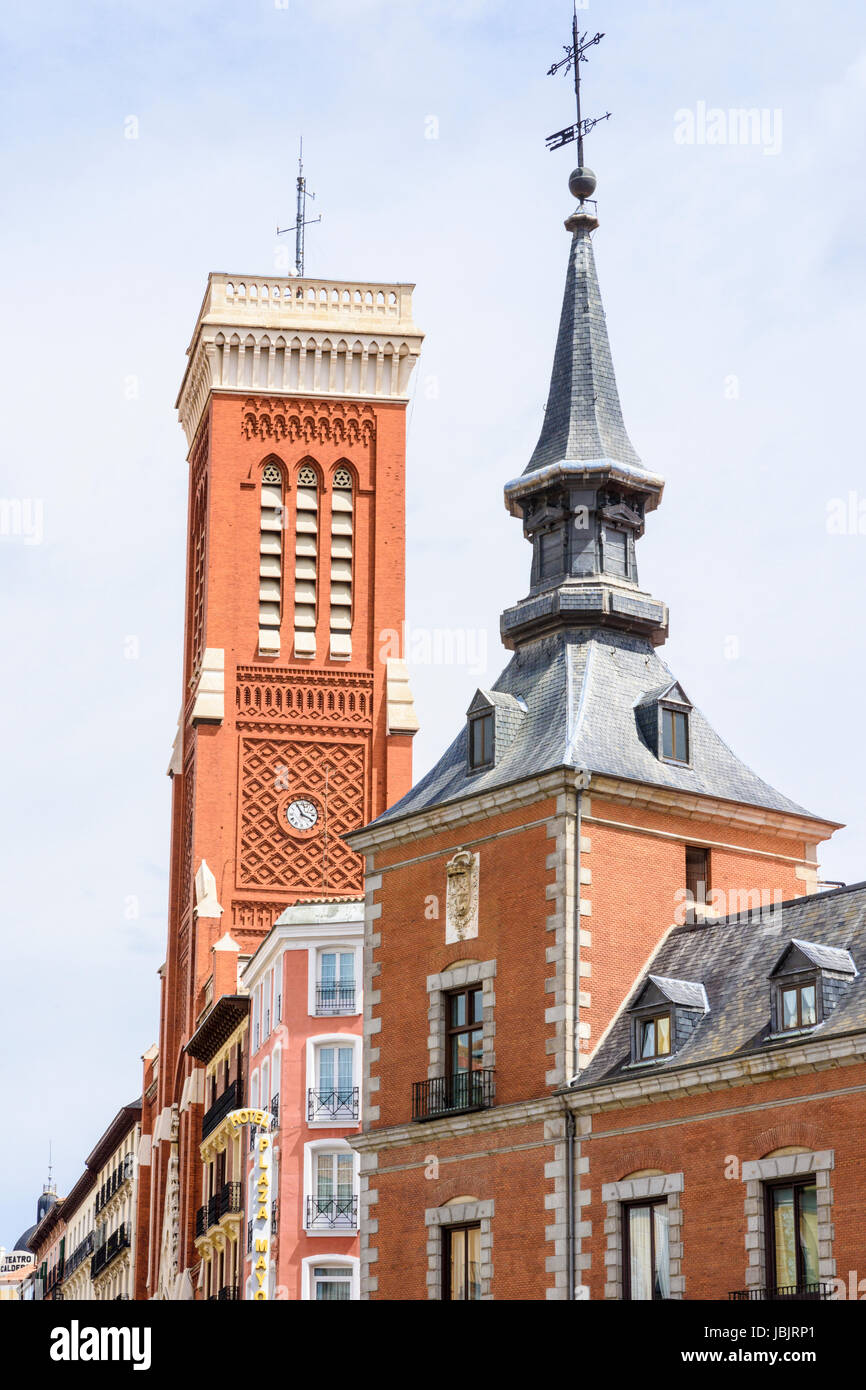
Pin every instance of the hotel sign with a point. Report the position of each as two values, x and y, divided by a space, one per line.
261 1221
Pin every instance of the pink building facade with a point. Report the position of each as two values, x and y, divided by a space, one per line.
306 1025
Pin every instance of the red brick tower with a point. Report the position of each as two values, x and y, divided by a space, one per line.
295 726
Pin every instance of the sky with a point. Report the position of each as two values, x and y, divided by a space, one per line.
145 143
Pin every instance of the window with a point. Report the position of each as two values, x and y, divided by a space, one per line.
335 988
481 740
655 1036
792 1235
270 560
675 735
462 1263
615 552
334 1096
799 1006
341 565
331 1281
465 1046
550 554
697 880
306 557
333 1204
646 1254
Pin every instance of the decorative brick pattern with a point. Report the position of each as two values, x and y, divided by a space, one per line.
459 1214
268 855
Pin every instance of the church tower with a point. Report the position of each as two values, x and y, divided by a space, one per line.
295 726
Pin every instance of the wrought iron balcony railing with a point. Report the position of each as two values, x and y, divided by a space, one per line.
249 1237
229 1292
784 1293
275 1109
225 1201
450 1095
332 1213
117 1241
122 1173
335 999
230 1099
338 1104
79 1254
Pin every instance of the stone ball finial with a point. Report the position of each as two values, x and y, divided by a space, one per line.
582 183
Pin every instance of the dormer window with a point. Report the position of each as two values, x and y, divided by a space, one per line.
664 717
675 734
493 721
808 981
481 740
664 1016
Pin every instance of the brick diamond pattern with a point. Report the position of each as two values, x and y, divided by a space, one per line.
269 856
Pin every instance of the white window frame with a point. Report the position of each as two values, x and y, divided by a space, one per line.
311 1261
352 1040
313 974
311 1149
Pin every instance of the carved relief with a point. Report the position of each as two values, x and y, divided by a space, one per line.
310 422
269 854
461 902
168 1255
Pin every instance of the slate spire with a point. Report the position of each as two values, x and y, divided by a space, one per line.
585 494
583 419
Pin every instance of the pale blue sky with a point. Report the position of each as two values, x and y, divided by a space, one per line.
715 262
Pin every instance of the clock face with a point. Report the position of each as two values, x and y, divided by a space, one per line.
302 815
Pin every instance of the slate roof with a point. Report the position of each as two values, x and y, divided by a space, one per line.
581 687
583 419
733 959
690 994
825 957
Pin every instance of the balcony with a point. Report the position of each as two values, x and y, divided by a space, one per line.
225 1202
332 1213
229 1293
122 1173
335 999
117 1241
795 1293
339 1104
275 1110
79 1254
453 1095
231 1099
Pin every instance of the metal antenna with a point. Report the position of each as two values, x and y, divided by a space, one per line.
301 220
575 54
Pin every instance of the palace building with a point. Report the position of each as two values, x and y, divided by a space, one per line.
296 718
521 893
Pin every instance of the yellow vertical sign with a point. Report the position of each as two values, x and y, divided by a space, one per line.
261 1211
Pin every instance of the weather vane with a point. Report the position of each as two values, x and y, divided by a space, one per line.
575 54
301 220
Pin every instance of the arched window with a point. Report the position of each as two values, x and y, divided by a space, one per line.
270 561
306 555
341 565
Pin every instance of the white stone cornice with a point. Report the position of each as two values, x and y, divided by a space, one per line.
457 1126
448 815
290 323
772 1065
710 808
